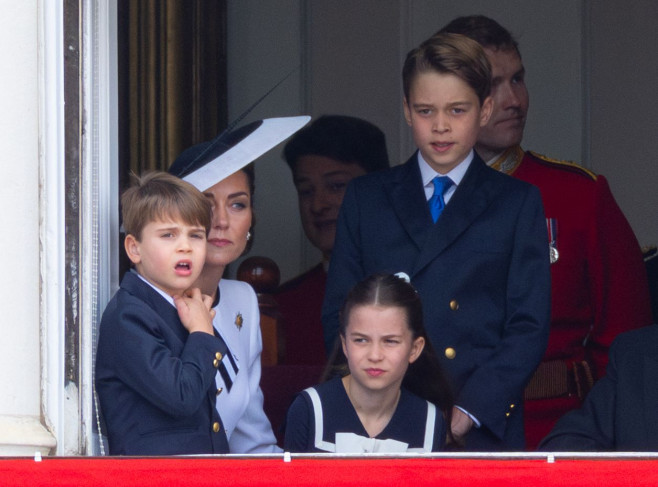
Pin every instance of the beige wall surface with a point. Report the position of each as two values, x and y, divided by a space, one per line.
624 107
19 237
264 46
21 427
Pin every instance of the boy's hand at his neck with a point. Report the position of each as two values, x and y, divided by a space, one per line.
195 311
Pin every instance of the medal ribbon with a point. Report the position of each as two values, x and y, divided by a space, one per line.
551 226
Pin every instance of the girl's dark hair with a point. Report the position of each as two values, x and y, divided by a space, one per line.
425 376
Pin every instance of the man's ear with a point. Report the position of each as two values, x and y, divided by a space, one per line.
486 110
131 244
407 111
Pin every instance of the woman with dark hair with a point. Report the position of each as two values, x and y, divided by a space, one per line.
221 169
393 397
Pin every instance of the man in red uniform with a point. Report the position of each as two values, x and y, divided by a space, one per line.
324 156
598 280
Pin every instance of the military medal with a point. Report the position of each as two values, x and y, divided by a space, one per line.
555 255
551 226
239 320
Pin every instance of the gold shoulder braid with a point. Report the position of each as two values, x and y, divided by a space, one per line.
567 165
509 160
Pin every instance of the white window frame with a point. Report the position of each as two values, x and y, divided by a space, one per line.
68 409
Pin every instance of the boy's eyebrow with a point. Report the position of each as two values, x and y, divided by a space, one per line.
169 226
451 104
460 103
419 105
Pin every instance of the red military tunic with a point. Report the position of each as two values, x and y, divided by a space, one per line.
300 306
599 284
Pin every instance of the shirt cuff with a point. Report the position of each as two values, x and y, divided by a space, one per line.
476 423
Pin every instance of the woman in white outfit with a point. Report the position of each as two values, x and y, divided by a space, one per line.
229 183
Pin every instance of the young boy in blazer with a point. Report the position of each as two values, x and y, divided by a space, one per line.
472 240
158 353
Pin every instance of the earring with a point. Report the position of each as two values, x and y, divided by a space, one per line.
248 235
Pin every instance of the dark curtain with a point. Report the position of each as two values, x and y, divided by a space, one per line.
172 82
172 79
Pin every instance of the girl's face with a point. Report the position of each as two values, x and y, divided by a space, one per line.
231 219
379 346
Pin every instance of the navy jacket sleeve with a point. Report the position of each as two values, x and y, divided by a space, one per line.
299 424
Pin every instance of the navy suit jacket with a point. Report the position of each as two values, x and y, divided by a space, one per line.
482 271
620 413
155 381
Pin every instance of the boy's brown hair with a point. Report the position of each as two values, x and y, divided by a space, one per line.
450 54
158 195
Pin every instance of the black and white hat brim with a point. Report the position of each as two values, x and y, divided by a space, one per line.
209 170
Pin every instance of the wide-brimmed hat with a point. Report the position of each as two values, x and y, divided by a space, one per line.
205 164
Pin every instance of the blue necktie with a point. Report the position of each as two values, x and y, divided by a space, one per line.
441 185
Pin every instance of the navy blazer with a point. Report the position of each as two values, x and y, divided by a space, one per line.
620 413
155 381
482 271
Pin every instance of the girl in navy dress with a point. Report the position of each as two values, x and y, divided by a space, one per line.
392 396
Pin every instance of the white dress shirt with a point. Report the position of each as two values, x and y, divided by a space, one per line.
456 175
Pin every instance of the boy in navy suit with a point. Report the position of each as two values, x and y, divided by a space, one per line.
157 351
473 241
